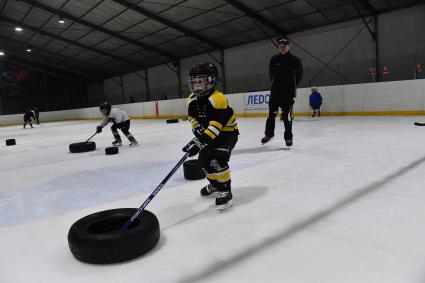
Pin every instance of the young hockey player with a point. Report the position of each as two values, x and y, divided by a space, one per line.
28 117
120 120
315 102
215 129
36 115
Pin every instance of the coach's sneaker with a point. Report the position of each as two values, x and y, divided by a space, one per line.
224 199
266 139
209 191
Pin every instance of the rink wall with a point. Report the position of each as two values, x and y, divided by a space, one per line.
386 98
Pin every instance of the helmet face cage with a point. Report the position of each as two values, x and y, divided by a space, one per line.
202 78
105 108
199 84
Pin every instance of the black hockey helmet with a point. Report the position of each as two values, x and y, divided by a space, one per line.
205 71
105 108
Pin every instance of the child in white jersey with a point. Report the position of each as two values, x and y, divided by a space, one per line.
120 120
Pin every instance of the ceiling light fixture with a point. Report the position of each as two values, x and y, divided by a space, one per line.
1 53
18 29
61 21
29 50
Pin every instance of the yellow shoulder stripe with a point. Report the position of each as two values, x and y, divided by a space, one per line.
218 100
190 98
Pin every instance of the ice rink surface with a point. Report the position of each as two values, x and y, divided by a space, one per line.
345 204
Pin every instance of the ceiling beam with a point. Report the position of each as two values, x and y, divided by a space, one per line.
33 48
254 15
369 6
80 21
3 6
168 23
95 50
46 21
44 68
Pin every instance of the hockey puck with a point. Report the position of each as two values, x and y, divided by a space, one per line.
192 170
97 238
172 121
82 147
10 142
111 150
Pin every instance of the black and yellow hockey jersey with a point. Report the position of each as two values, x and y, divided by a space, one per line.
214 114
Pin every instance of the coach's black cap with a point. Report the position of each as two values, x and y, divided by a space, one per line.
282 40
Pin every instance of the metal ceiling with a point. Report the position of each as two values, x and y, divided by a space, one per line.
104 38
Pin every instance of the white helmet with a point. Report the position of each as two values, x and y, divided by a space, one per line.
314 88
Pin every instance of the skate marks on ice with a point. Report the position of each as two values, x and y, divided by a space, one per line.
243 195
298 227
260 149
306 119
195 210
84 189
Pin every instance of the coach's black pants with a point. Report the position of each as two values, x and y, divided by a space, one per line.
287 118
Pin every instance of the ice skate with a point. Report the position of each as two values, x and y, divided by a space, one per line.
134 143
289 143
117 142
209 191
224 200
132 140
266 139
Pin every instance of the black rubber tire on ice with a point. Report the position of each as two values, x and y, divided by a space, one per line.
10 142
171 121
82 147
97 238
192 170
111 150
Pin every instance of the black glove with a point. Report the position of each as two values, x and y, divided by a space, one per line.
193 147
198 130
98 129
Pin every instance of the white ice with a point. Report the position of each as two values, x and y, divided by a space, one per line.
345 204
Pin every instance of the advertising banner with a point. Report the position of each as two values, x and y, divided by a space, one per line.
257 100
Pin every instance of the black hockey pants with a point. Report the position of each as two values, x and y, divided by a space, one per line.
214 159
123 126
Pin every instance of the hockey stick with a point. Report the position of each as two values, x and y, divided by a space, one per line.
91 137
95 133
153 194
419 124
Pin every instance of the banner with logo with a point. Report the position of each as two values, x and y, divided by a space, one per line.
257 100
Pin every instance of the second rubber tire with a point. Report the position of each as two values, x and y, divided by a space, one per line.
192 170
10 142
111 150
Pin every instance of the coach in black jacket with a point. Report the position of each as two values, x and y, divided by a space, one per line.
286 71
